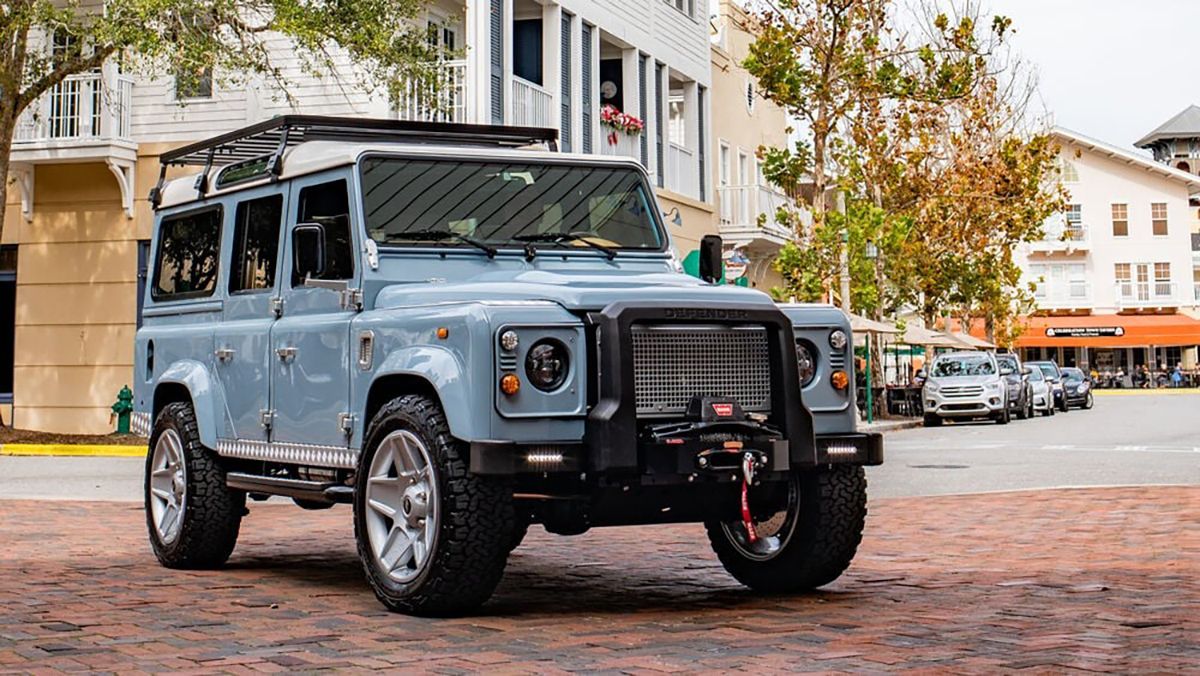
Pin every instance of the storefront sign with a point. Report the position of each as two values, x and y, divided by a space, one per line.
1084 331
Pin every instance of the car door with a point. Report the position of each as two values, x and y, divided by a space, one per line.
243 339
310 383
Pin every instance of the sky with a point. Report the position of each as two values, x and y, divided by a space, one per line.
1110 69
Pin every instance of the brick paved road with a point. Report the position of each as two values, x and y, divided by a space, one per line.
1102 579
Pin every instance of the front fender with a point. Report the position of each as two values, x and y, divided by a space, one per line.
442 369
207 399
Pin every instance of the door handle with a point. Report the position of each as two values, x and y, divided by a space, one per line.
224 354
288 353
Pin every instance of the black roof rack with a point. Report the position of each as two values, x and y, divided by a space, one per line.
272 137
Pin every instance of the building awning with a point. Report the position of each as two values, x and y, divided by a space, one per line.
1110 331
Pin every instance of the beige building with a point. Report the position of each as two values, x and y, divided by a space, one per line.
75 238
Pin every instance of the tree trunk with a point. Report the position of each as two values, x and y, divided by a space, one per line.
8 125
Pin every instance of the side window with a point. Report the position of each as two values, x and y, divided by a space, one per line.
255 244
188 248
328 204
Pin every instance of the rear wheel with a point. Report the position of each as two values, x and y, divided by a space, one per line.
809 543
1022 412
193 518
433 538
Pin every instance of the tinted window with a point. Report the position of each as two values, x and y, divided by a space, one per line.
188 247
1072 375
967 365
1048 370
328 204
506 205
255 244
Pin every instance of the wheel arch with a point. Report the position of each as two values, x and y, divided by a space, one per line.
189 381
430 371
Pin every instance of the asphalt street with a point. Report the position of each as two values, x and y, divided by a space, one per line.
1127 439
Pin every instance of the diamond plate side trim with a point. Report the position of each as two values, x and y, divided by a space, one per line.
289 453
139 423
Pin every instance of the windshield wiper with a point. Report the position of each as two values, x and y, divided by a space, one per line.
445 235
561 237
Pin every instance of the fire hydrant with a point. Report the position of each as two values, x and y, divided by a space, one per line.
121 410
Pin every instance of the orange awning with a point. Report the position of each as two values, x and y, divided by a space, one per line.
1110 331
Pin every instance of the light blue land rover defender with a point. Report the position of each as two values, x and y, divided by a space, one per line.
461 332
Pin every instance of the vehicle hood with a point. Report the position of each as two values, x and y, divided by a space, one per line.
573 290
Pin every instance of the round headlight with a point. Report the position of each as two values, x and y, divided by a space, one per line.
806 364
546 365
837 339
508 340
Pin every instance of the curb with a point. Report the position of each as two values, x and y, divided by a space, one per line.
891 427
76 450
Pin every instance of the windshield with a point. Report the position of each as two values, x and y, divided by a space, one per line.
1072 375
1049 370
1035 376
506 205
966 365
1007 362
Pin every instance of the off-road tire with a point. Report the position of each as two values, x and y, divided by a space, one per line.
833 509
212 514
476 521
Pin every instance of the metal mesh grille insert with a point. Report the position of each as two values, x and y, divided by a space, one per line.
672 364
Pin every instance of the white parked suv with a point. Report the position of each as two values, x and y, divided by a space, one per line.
965 385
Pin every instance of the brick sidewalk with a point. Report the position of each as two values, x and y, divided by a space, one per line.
1099 579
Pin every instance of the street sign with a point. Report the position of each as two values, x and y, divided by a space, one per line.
1084 331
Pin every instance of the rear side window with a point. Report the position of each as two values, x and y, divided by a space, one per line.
188 254
328 204
256 244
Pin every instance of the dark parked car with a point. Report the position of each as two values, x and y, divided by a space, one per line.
1054 377
1020 394
1078 387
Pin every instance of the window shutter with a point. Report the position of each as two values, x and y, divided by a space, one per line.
585 50
660 123
496 28
702 141
565 94
643 109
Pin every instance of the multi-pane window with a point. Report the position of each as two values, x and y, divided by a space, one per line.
1074 222
1069 173
1120 220
1158 218
676 126
186 266
1162 279
686 6
256 244
1059 281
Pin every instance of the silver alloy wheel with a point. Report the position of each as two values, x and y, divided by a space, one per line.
168 486
773 533
401 506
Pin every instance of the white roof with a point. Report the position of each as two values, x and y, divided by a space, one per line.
1128 157
314 156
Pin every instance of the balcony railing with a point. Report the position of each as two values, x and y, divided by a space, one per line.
1146 294
1063 237
619 144
439 97
80 108
741 207
532 106
1066 295
682 175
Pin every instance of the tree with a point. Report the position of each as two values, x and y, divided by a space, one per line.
42 42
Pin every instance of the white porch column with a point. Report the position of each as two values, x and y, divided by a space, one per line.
577 66
478 44
630 97
552 59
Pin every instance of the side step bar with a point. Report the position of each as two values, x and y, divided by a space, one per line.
315 491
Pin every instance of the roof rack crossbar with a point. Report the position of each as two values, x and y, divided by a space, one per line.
276 135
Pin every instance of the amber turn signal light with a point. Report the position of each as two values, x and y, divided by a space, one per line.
510 384
840 380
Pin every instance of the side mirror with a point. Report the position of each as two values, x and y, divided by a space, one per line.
710 258
308 250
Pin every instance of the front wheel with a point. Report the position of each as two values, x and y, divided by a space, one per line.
806 545
1003 417
1089 402
933 420
432 537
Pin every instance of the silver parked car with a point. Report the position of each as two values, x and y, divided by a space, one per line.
965 385
1043 397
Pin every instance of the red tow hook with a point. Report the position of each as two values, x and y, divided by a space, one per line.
747 479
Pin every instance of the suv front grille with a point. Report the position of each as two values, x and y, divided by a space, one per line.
962 391
673 364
